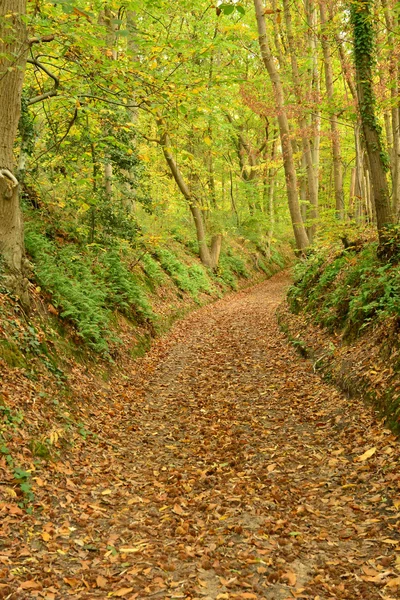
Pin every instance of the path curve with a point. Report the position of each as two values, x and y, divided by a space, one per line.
238 474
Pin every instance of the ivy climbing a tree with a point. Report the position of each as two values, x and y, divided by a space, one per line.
364 55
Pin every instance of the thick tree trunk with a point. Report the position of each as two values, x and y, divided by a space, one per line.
336 154
288 162
363 44
13 54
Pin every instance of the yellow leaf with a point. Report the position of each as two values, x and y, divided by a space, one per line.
46 536
122 592
366 455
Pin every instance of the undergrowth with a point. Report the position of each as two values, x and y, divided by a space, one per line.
87 284
347 291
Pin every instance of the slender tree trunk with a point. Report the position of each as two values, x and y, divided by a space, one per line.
280 52
312 190
335 133
304 202
394 93
315 87
106 18
207 256
363 37
288 162
13 55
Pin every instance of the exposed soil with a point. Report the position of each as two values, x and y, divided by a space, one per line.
224 468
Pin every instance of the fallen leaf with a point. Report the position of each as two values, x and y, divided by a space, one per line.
31 584
101 581
122 592
72 581
291 577
178 510
366 455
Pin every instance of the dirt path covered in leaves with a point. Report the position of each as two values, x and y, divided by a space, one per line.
224 469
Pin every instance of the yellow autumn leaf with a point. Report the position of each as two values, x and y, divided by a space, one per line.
366 455
122 592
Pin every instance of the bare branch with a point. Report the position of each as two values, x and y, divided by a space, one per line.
41 40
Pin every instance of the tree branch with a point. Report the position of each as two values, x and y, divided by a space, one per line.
50 93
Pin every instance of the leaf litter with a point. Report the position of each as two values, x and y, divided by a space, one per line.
219 466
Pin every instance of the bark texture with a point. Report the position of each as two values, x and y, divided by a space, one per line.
208 257
13 55
312 188
363 53
287 153
333 118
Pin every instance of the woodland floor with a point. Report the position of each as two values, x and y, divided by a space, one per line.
224 469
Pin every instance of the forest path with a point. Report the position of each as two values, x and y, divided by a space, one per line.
230 471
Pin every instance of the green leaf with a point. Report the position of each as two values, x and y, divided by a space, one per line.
240 10
227 9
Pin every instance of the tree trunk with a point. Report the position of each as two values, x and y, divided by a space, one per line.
106 18
336 154
363 38
13 55
312 190
315 87
288 161
394 93
207 257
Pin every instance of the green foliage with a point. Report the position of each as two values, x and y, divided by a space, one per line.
191 279
123 290
347 291
8 418
21 476
87 284
230 267
153 270
40 449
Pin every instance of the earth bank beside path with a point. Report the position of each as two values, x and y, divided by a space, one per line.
224 468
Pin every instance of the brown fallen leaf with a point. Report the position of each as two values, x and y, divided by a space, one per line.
72 581
291 577
178 510
31 584
101 581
